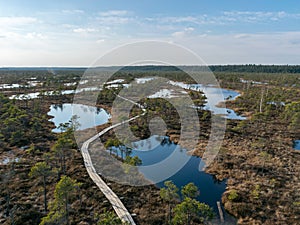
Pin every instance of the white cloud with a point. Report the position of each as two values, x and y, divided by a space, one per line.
35 35
114 13
16 21
184 32
190 29
68 26
257 16
114 17
178 34
73 11
227 17
238 36
196 20
14 27
189 19
84 30
111 20
100 41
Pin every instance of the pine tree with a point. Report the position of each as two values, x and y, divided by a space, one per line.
42 170
170 195
63 194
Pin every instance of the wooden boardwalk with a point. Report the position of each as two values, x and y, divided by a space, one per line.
115 201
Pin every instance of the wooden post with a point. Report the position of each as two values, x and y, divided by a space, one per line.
220 212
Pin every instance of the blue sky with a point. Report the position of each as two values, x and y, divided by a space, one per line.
76 32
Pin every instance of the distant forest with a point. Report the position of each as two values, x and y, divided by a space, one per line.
252 68
248 68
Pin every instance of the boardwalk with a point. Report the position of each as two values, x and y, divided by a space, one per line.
118 206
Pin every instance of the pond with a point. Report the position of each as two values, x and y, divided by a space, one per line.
9 86
296 145
8 160
212 94
88 116
51 93
38 94
157 148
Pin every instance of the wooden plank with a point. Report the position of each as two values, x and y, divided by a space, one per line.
220 212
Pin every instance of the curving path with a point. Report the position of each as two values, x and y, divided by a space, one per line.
118 206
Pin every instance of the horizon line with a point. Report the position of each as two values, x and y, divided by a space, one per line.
107 66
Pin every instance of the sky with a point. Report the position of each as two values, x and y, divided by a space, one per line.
76 32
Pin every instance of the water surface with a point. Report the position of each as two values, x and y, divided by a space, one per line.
214 96
296 145
88 116
8 160
158 148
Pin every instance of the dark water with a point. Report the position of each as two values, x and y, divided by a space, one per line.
297 145
157 148
214 97
88 116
